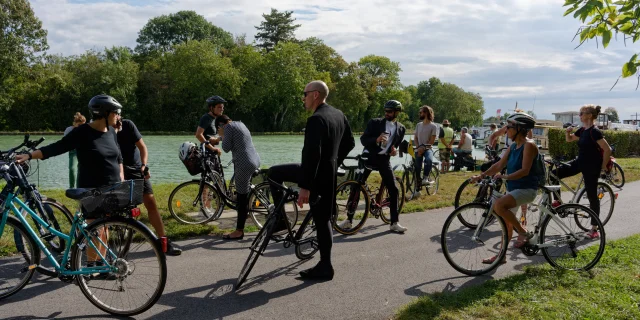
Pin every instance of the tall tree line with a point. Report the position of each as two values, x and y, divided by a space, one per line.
181 59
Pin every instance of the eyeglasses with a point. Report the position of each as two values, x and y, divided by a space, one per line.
306 92
118 111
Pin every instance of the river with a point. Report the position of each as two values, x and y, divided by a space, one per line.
166 167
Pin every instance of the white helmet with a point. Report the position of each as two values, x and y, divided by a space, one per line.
524 120
185 150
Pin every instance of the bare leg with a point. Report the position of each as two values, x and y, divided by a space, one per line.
154 215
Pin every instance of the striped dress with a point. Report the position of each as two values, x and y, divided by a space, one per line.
246 160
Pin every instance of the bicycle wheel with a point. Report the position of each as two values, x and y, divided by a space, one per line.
258 209
191 205
434 177
18 251
258 246
617 176
61 219
471 192
607 202
307 238
137 277
409 182
565 244
385 210
352 204
466 253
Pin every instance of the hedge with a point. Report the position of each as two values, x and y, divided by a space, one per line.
627 143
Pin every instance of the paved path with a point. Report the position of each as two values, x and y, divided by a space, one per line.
376 272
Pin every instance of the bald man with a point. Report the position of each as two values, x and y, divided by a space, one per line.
327 141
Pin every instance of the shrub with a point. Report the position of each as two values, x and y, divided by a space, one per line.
627 143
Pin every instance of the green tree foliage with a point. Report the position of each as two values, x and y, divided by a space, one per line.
613 114
162 33
451 102
602 18
277 27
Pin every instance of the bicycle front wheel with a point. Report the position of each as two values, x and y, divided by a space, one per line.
352 207
258 246
617 176
191 204
18 251
565 244
385 209
258 209
307 238
607 202
137 276
472 251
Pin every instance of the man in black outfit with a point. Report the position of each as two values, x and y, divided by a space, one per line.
381 139
206 129
327 141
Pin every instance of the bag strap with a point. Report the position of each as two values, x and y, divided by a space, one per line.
594 140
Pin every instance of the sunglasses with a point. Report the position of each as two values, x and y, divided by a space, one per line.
511 127
389 111
584 112
118 111
307 92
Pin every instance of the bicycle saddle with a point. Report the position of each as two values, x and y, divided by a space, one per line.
77 194
550 188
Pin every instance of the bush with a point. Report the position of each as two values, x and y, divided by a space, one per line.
627 143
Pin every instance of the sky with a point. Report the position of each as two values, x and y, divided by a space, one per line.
508 51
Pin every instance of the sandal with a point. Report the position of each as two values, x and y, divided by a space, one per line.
228 237
523 238
492 259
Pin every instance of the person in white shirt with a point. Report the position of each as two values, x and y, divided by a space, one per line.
465 146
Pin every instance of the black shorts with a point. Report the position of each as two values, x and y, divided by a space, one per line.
135 173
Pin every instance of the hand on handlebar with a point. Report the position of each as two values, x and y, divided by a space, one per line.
20 158
303 197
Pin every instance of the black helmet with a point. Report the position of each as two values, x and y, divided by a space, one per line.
102 104
393 104
215 100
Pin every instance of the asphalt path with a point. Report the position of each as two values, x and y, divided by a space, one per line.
376 272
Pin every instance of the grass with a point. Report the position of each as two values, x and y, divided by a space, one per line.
609 291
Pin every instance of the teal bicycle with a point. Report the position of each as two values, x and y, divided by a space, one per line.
117 262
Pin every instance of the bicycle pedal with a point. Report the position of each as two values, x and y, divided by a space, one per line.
277 238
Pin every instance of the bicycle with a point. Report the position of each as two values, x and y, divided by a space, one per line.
350 193
559 234
304 239
615 177
98 256
200 201
471 192
410 180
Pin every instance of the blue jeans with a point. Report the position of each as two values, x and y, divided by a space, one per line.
427 159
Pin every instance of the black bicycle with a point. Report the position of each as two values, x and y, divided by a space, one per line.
304 239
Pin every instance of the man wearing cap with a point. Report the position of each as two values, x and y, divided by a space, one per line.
446 138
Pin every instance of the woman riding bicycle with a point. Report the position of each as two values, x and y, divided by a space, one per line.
592 149
522 184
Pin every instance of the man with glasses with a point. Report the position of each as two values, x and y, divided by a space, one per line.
327 141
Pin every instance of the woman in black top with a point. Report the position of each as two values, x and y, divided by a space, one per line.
592 149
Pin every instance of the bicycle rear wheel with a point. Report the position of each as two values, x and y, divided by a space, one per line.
470 192
607 203
409 182
467 253
61 219
18 251
617 176
385 210
352 204
137 277
258 246
568 246
258 209
307 238
190 204
434 178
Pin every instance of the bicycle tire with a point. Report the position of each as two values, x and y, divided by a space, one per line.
12 261
57 213
434 176
409 182
307 234
464 195
385 211
565 212
179 200
617 174
256 249
452 251
146 252
258 211
353 193
604 193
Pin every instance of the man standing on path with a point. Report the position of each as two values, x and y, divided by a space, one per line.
327 141
206 132
446 138
425 133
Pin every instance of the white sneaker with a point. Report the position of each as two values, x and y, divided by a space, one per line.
345 225
396 227
425 181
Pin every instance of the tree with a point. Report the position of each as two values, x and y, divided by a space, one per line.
605 17
161 33
277 27
325 58
451 102
613 114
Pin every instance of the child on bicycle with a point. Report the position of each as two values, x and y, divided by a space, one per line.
522 183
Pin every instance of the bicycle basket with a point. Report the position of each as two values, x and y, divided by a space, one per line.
193 160
113 199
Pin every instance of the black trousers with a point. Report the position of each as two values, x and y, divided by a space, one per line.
382 164
242 206
321 211
591 173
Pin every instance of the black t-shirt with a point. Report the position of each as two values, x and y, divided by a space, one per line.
98 153
589 151
127 138
206 123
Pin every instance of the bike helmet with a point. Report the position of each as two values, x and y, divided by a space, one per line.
102 104
185 150
393 104
524 120
215 100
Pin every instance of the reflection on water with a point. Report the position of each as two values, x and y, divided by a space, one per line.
165 166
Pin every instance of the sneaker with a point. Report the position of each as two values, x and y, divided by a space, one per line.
425 181
345 225
172 250
592 234
396 227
